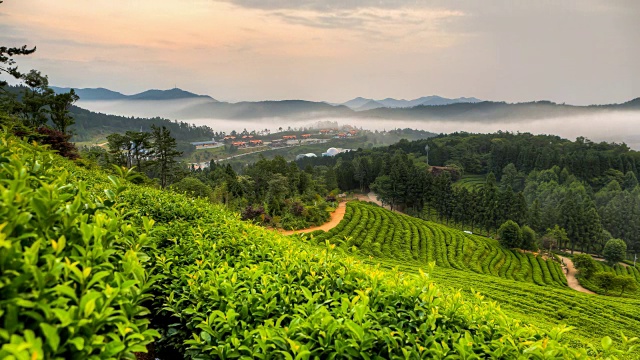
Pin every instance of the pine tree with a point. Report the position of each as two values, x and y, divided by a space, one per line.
59 112
164 151
7 62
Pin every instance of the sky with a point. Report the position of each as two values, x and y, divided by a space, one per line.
578 52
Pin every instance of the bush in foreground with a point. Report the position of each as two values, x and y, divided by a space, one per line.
73 278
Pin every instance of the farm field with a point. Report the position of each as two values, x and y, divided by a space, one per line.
592 316
458 266
390 235
134 265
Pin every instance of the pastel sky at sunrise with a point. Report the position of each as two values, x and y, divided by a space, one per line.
579 52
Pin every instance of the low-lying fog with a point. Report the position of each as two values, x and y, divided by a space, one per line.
610 126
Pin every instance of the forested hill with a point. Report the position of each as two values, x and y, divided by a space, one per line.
485 153
588 189
489 110
90 125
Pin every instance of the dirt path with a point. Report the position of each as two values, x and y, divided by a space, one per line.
369 197
336 217
571 277
596 257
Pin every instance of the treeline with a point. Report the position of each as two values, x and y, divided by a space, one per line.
88 125
535 186
484 153
269 192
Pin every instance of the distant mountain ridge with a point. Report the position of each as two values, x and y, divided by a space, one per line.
361 104
180 104
102 94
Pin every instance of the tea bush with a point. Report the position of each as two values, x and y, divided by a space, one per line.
406 238
73 278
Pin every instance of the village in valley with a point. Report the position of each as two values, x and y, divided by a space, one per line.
237 144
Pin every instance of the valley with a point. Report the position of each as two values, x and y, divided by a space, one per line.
310 180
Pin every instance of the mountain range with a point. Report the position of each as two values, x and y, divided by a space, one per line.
361 104
180 104
102 94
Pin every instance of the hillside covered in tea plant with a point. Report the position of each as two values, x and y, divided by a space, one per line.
381 233
94 266
527 286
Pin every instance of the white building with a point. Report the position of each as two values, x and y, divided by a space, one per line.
300 156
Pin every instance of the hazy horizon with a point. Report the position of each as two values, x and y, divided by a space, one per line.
610 126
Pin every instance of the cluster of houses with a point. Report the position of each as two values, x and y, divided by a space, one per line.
244 141
250 141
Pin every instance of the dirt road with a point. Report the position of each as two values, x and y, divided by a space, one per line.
336 217
369 197
571 277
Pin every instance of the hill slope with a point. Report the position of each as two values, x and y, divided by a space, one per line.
223 288
474 264
385 234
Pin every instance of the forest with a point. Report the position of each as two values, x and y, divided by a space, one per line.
590 190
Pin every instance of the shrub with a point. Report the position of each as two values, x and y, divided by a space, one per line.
605 280
615 250
529 241
625 282
584 264
510 235
72 266
254 213
193 187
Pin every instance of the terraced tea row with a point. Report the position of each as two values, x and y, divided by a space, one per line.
592 316
381 233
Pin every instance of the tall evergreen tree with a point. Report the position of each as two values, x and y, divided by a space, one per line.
165 153
59 110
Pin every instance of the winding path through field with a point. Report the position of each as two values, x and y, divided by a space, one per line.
571 276
336 217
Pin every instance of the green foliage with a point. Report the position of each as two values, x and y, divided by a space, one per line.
384 234
529 241
299 293
227 288
193 187
74 266
605 280
510 235
272 192
625 282
164 149
615 250
585 265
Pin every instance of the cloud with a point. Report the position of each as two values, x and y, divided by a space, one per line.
322 5
368 16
